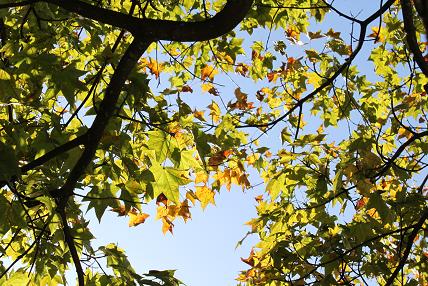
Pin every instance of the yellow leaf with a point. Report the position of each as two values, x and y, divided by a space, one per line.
205 195
403 132
214 111
313 79
378 34
136 218
4 75
167 225
201 177
190 195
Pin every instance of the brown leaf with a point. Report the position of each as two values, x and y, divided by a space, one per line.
121 210
162 199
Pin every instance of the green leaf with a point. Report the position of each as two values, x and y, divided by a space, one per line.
168 181
8 163
162 144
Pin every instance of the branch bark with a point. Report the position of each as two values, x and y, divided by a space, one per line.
153 29
412 42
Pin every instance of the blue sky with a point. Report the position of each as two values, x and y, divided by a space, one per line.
203 249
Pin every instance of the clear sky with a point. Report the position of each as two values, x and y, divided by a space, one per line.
203 250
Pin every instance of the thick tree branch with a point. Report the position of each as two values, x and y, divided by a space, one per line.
412 42
105 112
71 246
17 4
223 22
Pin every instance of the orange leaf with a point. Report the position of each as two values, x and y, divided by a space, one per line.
208 72
199 115
154 67
291 32
250 259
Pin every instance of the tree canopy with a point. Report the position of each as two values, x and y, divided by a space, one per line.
331 117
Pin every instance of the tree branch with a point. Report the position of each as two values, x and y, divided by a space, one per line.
105 112
409 246
55 152
412 42
400 150
153 29
330 80
17 4
71 246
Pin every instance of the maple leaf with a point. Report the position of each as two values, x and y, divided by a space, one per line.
208 72
186 88
242 69
216 159
190 195
293 33
161 199
377 34
121 210
214 111
184 210
199 115
315 35
205 195
332 34
250 259
154 67
136 218
167 225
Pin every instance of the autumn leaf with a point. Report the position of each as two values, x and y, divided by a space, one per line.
162 199
154 67
205 195
217 159
292 32
186 88
332 34
184 211
208 72
377 34
136 218
214 111
242 69
250 259
167 225
121 210
315 35
199 115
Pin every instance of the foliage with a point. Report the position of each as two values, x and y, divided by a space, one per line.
84 126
